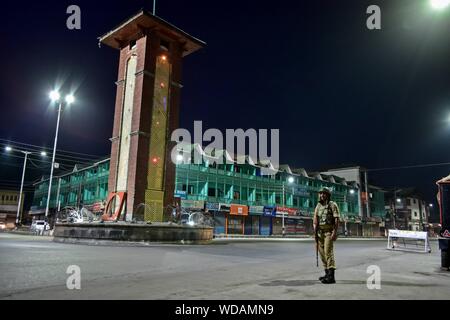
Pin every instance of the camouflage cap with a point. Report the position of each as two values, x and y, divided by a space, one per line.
325 190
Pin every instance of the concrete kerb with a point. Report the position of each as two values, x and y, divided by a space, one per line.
118 243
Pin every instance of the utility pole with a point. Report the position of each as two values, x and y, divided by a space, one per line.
420 215
282 219
395 199
367 193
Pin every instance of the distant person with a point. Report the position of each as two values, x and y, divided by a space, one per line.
326 223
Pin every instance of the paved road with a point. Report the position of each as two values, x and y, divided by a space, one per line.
35 268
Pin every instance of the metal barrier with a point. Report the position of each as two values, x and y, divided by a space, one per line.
408 241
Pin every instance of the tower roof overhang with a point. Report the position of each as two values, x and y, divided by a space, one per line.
143 22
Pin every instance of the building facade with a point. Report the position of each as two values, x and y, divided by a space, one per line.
237 196
372 212
9 200
406 210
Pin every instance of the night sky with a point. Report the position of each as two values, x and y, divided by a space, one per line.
339 93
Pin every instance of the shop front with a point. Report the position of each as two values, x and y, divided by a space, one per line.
266 221
253 220
219 217
291 221
236 219
354 227
371 228
295 225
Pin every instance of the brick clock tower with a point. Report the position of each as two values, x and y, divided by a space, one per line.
146 112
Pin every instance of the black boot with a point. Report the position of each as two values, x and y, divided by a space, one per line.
330 277
326 275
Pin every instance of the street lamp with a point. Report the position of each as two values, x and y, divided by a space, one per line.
439 4
26 153
55 97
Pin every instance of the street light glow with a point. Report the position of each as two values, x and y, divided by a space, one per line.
70 98
291 179
431 205
8 148
352 191
43 153
439 4
399 200
54 95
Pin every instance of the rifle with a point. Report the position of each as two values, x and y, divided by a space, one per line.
317 248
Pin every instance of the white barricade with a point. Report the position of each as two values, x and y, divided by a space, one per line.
408 240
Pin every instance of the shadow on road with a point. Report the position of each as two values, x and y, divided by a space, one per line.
302 283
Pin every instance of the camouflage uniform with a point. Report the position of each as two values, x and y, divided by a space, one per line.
324 216
325 230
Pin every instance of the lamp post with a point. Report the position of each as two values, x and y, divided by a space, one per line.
352 193
26 153
439 4
55 97
290 181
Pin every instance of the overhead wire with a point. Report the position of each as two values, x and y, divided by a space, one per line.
40 148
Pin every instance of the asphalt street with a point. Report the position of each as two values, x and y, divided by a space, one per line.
34 267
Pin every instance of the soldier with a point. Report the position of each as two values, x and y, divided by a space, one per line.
326 222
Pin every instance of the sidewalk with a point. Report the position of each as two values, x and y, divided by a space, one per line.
223 237
26 231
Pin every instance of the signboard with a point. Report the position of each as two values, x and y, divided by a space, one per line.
444 206
256 210
396 240
238 210
192 204
303 192
408 234
286 211
224 207
181 194
212 206
269 211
